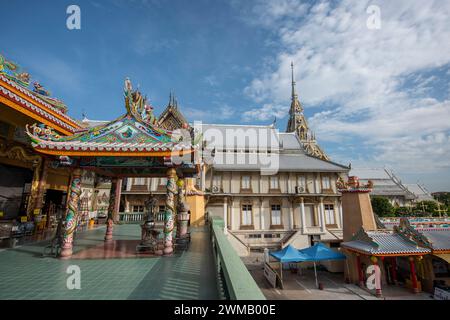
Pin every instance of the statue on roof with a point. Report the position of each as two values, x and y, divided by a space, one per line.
38 88
13 72
137 105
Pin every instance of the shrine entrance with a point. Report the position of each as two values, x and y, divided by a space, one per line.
131 146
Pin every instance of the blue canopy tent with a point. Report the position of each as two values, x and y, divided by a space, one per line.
289 254
320 252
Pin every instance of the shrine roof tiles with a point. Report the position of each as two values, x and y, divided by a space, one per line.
384 242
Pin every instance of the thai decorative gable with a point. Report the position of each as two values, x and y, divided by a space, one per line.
171 118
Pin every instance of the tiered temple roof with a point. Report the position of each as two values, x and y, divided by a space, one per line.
134 134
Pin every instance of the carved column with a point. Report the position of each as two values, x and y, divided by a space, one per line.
71 213
183 209
111 207
171 190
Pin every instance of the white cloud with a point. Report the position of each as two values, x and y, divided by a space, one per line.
266 112
209 115
359 75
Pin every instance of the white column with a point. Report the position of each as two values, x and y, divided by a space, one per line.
261 214
291 215
322 215
302 212
231 213
340 214
203 177
225 218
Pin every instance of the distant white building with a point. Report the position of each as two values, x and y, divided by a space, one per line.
388 185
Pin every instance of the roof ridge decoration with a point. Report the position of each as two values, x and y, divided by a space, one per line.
353 185
13 71
406 231
362 235
134 133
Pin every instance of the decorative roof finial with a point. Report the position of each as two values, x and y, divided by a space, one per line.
294 93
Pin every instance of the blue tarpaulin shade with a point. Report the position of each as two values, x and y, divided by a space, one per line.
320 252
290 254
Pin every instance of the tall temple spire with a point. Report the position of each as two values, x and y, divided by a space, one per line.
297 123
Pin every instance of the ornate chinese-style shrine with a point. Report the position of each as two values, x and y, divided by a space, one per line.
132 145
368 243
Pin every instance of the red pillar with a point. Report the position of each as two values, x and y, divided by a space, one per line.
413 275
394 270
360 272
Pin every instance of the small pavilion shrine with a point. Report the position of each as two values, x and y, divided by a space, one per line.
367 242
133 145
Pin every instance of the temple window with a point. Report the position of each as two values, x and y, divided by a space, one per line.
329 214
274 182
245 182
326 184
275 215
246 215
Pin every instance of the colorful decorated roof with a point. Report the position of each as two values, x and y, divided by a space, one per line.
15 92
134 134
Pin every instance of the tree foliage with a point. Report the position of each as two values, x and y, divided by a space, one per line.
382 207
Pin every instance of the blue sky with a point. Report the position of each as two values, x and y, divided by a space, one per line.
374 97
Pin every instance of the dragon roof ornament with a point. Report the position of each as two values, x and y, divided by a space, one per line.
14 72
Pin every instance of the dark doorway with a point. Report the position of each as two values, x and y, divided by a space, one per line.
12 184
54 201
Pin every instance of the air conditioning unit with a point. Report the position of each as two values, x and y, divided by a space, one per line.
215 189
299 189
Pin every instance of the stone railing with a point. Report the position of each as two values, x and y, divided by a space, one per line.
131 217
234 280
137 217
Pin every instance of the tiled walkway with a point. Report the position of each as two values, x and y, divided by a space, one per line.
25 274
